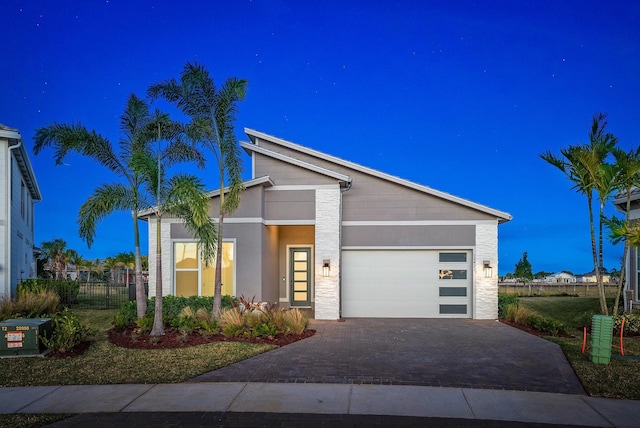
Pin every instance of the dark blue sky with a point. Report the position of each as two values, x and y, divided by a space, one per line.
461 96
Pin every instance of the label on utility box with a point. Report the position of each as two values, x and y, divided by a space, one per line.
14 336
14 339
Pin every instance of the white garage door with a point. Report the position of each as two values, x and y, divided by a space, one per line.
406 284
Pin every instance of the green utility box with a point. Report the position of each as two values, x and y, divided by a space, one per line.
601 337
22 336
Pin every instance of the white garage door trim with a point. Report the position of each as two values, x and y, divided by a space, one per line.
407 283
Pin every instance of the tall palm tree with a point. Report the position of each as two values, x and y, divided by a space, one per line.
586 167
126 261
212 114
53 253
182 196
110 263
107 198
76 260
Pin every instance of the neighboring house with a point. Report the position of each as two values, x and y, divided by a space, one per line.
561 277
18 193
632 277
315 231
591 277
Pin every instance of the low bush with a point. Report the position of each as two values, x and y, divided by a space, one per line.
529 318
295 321
7 308
504 300
67 290
631 323
68 332
33 304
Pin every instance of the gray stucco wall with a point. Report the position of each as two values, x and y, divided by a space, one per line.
431 236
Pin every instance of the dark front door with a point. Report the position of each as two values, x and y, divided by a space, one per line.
300 276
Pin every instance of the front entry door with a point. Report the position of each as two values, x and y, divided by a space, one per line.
300 276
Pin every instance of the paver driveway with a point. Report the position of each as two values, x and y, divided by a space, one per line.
430 352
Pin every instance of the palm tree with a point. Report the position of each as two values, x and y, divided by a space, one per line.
107 198
54 257
92 266
212 113
627 168
110 264
126 261
586 166
182 196
76 260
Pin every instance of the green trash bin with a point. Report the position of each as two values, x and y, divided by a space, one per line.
601 338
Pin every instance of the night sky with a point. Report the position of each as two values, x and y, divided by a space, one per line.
461 96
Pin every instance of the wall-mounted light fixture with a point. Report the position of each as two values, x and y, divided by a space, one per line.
488 271
326 267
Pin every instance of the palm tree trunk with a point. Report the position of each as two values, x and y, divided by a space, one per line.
141 298
599 273
594 252
217 291
158 327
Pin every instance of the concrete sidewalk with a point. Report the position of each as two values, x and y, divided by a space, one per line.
325 399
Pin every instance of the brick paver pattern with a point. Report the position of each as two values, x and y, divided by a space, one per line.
428 352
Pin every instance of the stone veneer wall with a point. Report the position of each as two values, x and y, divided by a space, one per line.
485 305
327 246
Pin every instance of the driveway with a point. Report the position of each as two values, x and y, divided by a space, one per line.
428 352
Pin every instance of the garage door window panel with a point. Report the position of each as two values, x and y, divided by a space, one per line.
453 309
452 257
453 291
453 274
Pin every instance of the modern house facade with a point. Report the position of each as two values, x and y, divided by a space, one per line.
19 192
632 275
315 231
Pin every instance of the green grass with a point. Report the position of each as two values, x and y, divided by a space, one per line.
574 312
619 378
104 363
30 421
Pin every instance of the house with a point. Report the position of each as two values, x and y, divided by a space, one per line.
632 278
561 278
590 277
315 231
19 192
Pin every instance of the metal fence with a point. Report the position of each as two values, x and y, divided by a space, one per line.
581 289
93 295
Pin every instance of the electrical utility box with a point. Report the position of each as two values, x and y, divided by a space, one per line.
23 336
601 337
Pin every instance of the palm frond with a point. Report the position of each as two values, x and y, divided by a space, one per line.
105 200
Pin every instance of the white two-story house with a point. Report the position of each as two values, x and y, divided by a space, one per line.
18 194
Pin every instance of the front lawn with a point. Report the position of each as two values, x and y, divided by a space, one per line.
619 378
104 363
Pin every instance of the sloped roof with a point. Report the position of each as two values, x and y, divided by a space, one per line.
253 147
15 140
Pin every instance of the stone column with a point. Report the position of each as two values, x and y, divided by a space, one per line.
327 247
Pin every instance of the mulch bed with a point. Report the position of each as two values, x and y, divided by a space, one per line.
172 338
533 330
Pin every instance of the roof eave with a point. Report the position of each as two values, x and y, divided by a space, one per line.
501 216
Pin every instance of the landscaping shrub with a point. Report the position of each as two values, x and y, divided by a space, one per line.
295 321
68 332
265 329
33 304
631 323
7 308
232 322
529 318
504 300
67 290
